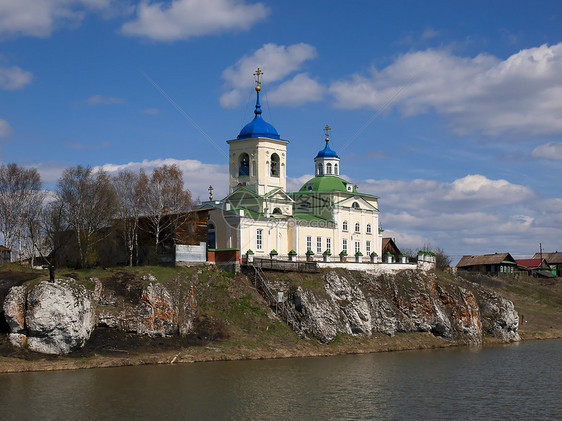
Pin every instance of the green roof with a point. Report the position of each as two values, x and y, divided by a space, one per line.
327 183
309 217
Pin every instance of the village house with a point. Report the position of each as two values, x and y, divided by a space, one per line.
535 267
553 259
496 263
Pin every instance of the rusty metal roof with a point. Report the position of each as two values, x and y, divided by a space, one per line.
551 258
486 259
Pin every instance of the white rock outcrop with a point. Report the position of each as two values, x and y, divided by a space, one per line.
52 317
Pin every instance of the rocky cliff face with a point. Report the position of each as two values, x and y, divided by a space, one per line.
361 304
58 317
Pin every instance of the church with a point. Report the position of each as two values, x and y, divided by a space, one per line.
327 215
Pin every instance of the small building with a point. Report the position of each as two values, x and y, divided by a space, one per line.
389 246
553 259
488 263
5 255
534 267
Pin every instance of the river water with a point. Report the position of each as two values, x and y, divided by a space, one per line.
517 381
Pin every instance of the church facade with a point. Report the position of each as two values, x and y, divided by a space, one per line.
327 214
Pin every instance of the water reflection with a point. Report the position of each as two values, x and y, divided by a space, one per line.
513 382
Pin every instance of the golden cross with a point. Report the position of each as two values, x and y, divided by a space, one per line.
327 131
211 192
257 75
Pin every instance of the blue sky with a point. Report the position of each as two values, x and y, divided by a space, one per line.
450 112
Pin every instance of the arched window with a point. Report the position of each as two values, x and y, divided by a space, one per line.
320 172
275 168
336 169
328 168
344 227
254 168
244 168
357 227
276 211
355 205
368 228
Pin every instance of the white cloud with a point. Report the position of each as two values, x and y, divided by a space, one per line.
551 150
184 19
38 18
519 97
5 128
14 78
150 111
470 215
100 99
277 62
299 90
196 174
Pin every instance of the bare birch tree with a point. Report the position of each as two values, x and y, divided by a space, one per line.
20 196
165 202
128 208
88 204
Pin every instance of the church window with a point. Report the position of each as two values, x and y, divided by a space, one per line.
368 247
259 239
309 187
344 245
308 243
355 205
244 168
275 168
276 211
318 244
329 244
336 169
357 246
357 227
254 168
368 228
344 227
320 172
328 168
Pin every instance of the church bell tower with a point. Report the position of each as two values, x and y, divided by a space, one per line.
258 156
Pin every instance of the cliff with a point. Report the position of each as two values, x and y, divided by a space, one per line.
208 305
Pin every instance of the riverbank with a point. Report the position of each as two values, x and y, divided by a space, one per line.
235 325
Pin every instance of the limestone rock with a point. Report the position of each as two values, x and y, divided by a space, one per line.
54 318
14 308
405 302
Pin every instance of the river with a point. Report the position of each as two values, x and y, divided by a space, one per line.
516 381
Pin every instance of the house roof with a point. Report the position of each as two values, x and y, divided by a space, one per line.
486 259
326 183
529 263
551 258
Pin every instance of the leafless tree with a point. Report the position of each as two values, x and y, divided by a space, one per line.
128 209
165 202
20 197
87 201
442 259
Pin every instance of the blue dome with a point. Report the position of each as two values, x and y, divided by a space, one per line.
258 126
327 152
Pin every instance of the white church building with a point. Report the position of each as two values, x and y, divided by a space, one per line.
327 214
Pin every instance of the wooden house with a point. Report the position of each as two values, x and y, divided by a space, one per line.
534 267
488 263
5 255
553 259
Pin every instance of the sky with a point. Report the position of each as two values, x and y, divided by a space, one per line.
450 112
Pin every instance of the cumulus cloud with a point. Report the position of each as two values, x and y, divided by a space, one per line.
520 96
5 128
470 215
197 175
13 78
277 63
184 19
39 18
551 150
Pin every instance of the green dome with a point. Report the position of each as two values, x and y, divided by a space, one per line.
327 183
